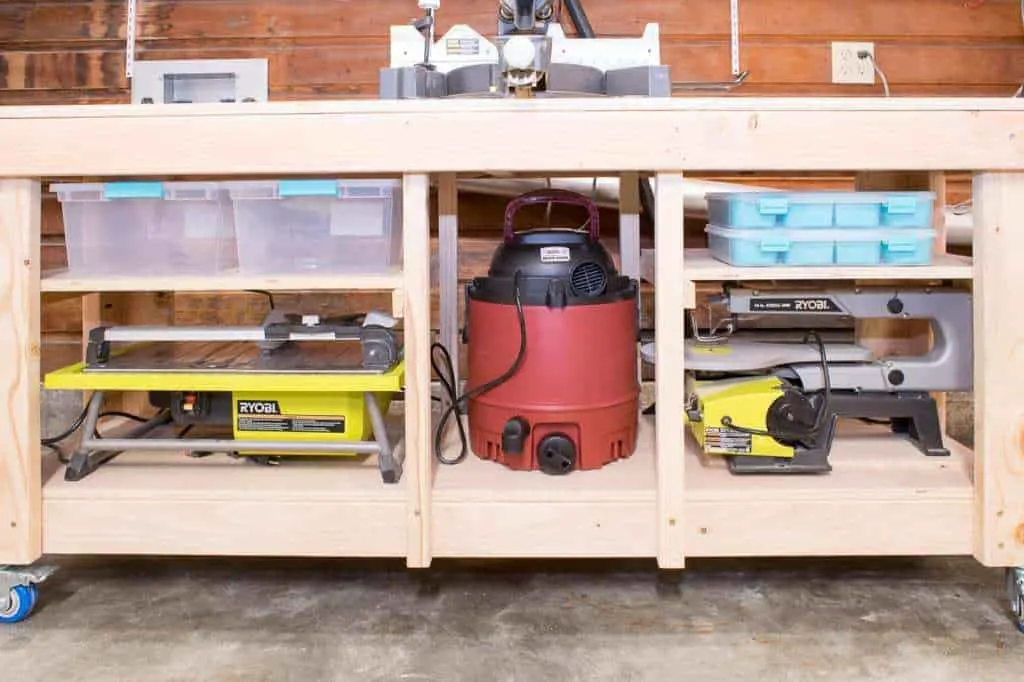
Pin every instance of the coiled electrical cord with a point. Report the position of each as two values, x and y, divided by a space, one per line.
446 374
820 418
53 442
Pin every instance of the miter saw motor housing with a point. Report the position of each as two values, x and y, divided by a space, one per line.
774 407
531 56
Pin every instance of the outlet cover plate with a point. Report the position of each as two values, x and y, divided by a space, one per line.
847 68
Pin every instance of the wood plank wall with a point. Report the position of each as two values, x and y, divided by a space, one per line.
72 51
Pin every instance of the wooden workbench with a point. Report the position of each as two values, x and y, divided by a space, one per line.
882 498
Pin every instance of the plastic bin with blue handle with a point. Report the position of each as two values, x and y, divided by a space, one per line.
818 210
324 226
147 228
821 247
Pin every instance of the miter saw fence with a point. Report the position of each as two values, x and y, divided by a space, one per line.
530 56
774 407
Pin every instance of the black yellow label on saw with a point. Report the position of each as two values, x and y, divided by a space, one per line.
264 416
727 440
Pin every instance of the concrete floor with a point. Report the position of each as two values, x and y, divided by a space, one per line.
147 620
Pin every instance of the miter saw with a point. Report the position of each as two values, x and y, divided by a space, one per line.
531 56
773 407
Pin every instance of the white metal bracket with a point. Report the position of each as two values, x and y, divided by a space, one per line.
130 32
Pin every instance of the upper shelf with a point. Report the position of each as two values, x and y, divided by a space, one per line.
700 266
64 282
639 134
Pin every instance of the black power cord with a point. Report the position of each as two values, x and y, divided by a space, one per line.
824 409
446 374
263 292
53 442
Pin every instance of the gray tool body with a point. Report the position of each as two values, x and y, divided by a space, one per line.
948 366
379 348
530 56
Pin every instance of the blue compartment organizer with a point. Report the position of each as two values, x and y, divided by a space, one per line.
818 210
821 247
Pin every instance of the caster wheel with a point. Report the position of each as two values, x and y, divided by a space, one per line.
1015 593
21 600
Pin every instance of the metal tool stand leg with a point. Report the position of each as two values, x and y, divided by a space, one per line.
389 465
1015 593
19 592
86 459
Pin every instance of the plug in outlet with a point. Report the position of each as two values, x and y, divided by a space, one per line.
847 67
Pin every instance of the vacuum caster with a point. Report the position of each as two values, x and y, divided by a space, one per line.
22 591
1015 593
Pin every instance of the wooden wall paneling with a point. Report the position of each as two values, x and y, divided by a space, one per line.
73 51
20 462
999 369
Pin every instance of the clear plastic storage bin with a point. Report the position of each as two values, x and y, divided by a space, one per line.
815 210
147 228
296 226
789 247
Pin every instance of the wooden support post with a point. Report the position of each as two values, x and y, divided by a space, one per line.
141 308
416 282
998 369
448 265
629 236
629 224
669 332
21 493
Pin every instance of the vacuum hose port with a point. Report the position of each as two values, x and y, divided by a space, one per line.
556 454
513 436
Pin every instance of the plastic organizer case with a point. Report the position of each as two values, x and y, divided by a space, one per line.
815 210
147 228
789 247
296 226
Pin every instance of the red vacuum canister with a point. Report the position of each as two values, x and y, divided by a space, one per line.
552 332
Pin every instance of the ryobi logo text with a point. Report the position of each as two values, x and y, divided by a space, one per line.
794 305
258 407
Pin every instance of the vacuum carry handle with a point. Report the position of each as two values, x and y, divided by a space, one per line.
552 196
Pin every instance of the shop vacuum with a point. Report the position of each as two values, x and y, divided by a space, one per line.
552 334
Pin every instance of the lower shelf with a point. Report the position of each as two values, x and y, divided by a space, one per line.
150 503
482 509
883 497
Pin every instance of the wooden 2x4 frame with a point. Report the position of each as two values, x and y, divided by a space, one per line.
663 503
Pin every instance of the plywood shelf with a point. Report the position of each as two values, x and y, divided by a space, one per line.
883 497
481 508
63 281
168 503
700 266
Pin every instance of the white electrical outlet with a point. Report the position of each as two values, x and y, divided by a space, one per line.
847 67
